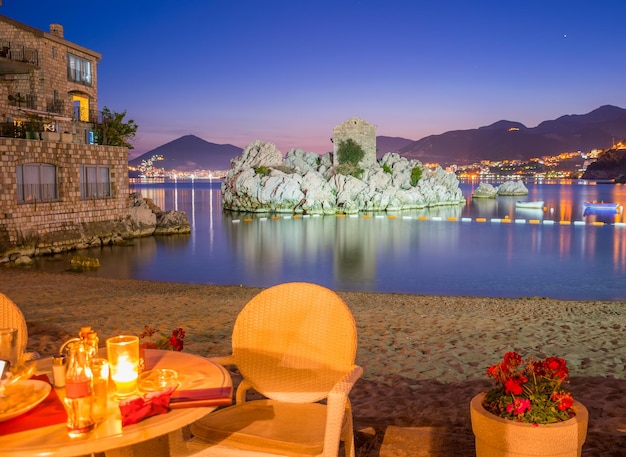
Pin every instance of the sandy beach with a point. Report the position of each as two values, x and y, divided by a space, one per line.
424 357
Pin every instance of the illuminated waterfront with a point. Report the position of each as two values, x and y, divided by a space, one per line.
442 251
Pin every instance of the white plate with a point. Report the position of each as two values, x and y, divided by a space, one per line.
42 389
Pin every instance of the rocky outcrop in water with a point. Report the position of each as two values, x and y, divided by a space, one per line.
485 190
512 188
260 180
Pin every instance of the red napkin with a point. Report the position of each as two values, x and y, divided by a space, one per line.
216 396
48 412
137 408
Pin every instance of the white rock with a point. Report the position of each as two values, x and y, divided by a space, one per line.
259 181
23 260
512 188
485 190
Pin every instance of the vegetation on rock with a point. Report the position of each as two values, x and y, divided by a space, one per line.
416 175
262 170
350 151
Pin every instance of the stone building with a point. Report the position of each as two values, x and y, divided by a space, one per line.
57 191
48 85
363 133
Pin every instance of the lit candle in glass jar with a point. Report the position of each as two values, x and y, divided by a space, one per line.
123 355
125 375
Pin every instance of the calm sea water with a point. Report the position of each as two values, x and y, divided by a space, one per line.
378 253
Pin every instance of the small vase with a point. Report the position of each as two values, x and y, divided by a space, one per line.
499 437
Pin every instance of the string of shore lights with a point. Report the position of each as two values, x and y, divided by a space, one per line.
483 220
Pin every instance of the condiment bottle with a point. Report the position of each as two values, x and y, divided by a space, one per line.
84 331
91 338
59 367
79 390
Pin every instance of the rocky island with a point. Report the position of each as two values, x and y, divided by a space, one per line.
261 180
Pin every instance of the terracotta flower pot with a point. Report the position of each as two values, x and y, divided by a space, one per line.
498 437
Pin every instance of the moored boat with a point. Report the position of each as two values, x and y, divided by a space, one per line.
534 204
601 205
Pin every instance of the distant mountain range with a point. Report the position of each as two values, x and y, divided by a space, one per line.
501 140
598 129
190 153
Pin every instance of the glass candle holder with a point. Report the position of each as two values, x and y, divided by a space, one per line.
123 355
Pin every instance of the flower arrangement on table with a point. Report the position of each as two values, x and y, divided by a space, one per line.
173 343
530 390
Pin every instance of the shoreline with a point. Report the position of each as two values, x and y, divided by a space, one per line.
424 357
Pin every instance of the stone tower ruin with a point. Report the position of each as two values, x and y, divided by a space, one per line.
361 132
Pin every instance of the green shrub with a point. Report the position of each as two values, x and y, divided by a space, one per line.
349 169
350 151
262 170
416 175
387 168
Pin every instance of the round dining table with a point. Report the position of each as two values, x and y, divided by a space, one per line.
147 437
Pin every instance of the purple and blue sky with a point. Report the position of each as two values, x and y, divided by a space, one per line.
288 71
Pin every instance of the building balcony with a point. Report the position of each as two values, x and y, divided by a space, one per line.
20 100
15 58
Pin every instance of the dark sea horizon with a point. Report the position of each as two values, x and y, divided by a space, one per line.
486 247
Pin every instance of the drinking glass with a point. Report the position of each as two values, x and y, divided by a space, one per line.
100 370
123 355
8 345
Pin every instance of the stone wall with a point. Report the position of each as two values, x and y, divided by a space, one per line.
69 220
362 133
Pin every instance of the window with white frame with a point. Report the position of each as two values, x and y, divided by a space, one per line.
95 182
79 70
36 182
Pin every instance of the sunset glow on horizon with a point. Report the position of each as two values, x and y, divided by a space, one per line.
287 72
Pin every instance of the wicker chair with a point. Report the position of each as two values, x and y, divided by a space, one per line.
12 317
295 344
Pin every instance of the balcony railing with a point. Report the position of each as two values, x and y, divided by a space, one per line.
56 106
23 100
10 130
18 52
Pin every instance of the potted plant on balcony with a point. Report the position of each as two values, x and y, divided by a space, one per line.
529 412
33 126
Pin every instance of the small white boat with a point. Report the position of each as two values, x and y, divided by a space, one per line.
534 204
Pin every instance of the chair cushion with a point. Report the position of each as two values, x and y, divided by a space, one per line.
266 425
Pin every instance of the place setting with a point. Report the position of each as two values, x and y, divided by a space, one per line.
18 393
94 397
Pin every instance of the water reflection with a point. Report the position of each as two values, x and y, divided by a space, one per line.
428 251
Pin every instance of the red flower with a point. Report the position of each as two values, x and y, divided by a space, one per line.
564 400
556 367
519 406
512 360
514 385
176 340
530 390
